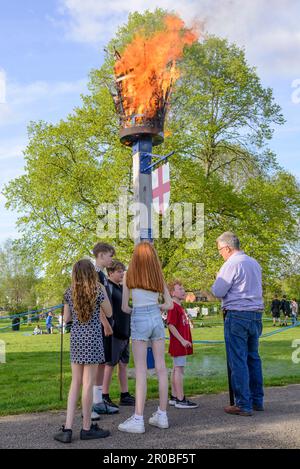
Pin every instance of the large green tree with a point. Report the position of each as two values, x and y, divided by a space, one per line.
220 123
18 280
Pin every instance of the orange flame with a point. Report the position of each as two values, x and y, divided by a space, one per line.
147 69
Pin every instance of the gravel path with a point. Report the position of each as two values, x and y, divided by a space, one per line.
205 427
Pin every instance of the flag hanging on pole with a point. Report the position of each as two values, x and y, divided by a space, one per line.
161 188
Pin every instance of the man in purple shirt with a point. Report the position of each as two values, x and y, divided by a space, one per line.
239 285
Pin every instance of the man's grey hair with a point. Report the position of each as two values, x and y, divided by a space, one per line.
229 239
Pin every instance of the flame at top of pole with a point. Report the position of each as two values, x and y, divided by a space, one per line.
146 70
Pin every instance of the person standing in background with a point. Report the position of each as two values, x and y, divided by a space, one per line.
285 307
239 285
103 253
49 324
120 339
275 310
295 309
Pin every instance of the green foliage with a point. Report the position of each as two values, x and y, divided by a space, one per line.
18 281
220 123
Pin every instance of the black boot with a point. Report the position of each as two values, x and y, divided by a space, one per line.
64 435
94 433
127 400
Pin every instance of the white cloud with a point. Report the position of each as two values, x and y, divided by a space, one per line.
7 223
10 149
269 31
37 100
2 86
11 167
11 159
27 101
24 94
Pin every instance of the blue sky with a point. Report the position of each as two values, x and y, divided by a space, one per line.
47 49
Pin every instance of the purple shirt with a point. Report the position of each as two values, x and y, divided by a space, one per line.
239 284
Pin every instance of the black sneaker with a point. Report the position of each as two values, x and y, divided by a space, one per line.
64 435
127 400
105 408
185 404
110 403
94 433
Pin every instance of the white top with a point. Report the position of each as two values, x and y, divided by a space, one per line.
144 297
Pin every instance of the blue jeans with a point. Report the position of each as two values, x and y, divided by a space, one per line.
242 331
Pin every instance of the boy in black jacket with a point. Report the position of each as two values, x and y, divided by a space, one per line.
275 310
103 253
120 338
286 309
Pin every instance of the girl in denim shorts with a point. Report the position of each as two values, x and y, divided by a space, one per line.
144 279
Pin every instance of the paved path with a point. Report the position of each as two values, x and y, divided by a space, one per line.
206 427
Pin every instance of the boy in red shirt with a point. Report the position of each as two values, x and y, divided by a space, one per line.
180 345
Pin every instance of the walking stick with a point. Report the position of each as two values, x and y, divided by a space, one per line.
61 353
230 390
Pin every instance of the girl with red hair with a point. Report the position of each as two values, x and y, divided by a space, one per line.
144 279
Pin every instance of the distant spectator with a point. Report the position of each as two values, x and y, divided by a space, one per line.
61 323
295 309
275 310
285 307
49 324
37 330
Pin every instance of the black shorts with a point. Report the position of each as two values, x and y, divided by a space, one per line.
119 351
107 342
276 314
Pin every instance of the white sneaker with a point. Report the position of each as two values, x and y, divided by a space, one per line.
159 420
185 404
132 425
95 417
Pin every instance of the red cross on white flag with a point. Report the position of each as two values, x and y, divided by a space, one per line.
161 188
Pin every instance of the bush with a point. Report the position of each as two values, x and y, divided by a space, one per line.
204 304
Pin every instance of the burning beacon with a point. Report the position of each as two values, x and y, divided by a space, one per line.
145 73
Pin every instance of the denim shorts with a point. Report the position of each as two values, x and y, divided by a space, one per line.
147 323
179 361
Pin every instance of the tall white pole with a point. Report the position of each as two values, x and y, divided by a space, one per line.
142 184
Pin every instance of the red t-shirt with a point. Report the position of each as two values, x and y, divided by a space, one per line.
179 319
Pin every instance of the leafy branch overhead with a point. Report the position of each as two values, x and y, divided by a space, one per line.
220 123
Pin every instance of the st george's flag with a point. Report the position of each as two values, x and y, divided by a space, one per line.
161 188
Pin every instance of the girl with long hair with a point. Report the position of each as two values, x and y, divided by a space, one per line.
85 301
144 279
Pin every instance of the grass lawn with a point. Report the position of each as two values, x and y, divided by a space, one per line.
29 380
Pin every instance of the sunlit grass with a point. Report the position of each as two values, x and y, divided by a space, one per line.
29 380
